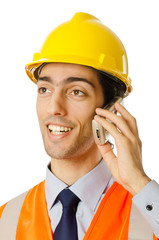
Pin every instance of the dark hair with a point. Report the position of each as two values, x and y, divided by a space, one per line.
111 85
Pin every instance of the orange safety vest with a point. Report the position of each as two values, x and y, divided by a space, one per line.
111 221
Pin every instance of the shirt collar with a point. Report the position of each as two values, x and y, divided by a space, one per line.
53 186
88 188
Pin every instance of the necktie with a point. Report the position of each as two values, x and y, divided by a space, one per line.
67 227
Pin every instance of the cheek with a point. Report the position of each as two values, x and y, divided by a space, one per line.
85 118
40 109
83 107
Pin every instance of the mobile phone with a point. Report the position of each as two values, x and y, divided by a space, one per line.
99 133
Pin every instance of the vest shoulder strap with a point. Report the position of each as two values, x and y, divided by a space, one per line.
138 226
10 216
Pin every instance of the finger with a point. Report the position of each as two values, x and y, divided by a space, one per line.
130 120
111 128
117 120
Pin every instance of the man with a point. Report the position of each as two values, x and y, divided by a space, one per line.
89 192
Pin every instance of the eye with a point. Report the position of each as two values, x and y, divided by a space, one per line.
77 92
43 90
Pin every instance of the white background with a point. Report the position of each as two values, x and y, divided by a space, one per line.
23 28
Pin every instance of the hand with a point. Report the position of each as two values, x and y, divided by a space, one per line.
126 167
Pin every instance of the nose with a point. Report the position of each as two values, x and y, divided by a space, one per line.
57 106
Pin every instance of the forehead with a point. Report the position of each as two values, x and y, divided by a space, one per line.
61 71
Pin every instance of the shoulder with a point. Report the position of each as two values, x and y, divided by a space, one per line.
18 200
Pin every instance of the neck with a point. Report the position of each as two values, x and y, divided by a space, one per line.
70 170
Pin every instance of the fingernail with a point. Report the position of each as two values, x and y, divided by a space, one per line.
97 117
98 109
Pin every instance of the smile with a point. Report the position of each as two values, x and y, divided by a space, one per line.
57 130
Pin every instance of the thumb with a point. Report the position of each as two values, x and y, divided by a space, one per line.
107 152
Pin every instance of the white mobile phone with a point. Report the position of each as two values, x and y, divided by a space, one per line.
99 133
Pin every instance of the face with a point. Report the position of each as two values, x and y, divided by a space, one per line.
68 95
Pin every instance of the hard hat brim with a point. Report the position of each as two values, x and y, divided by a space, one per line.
33 66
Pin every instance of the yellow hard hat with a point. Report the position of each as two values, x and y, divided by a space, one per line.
86 41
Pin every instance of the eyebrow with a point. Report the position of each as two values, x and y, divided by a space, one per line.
67 80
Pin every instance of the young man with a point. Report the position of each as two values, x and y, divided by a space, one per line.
89 192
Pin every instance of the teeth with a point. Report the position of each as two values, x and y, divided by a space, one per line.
56 130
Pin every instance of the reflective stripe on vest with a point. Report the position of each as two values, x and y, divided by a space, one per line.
10 217
138 227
